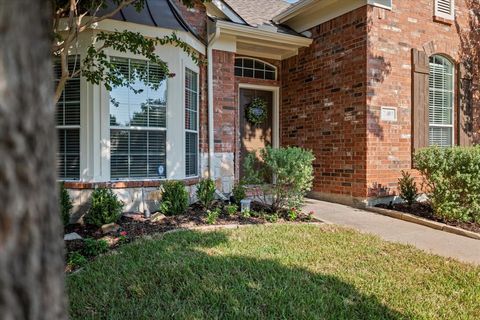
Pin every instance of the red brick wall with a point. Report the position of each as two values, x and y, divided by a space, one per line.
196 17
324 104
391 38
225 109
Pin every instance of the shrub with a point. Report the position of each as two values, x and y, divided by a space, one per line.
206 192
452 181
408 188
238 192
231 209
292 214
174 198
76 259
65 204
284 175
94 247
212 215
105 208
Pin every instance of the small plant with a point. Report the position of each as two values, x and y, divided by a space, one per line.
123 238
94 247
174 198
231 209
239 192
206 192
75 260
212 216
292 214
272 218
408 188
65 204
247 213
105 208
310 216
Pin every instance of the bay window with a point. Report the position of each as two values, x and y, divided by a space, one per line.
138 122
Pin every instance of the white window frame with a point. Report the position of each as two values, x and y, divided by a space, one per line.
197 122
438 12
138 128
67 127
452 126
254 69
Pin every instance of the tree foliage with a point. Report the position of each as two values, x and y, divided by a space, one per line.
72 17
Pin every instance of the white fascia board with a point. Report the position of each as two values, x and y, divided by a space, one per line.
151 32
228 12
260 35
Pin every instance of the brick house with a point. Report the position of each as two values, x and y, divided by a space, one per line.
363 83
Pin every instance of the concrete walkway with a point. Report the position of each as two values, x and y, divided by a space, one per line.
390 229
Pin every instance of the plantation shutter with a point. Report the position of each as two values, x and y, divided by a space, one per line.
445 9
465 99
420 72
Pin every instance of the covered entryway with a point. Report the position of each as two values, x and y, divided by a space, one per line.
254 137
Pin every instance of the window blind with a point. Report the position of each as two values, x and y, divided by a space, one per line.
440 101
138 122
191 123
67 118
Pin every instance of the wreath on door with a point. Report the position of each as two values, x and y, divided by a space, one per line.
256 111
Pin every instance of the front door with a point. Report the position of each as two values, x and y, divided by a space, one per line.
254 136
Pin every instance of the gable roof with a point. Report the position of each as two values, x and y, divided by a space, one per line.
258 12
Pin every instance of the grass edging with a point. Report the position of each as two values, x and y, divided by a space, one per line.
424 222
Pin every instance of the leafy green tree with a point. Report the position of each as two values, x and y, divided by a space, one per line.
72 17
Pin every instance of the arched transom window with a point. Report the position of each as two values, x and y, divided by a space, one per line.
253 68
441 113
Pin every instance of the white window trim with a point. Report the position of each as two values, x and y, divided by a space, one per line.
198 123
443 15
253 69
452 126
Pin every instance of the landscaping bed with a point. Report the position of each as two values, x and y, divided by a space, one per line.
424 210
134 225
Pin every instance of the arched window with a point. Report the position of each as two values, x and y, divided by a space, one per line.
441 112
253 68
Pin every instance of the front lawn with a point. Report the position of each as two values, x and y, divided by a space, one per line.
273 272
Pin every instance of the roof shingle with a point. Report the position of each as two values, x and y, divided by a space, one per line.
258 12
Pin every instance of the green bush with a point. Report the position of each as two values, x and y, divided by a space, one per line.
94 247
65 204
174 198
212 215
284 175
452 181
231 209
408 188
105 208
239 192
76 259
206 192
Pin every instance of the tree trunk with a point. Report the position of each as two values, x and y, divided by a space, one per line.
31 245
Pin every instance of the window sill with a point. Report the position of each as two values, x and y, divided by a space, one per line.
124 184
444 21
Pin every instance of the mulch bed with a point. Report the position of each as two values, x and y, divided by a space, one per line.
136 226
424 210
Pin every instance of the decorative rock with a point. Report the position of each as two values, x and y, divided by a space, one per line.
157 217
109 228
72 236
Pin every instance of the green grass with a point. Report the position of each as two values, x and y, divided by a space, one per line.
273 272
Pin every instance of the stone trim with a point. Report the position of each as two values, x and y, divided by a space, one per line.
442 20
123 184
